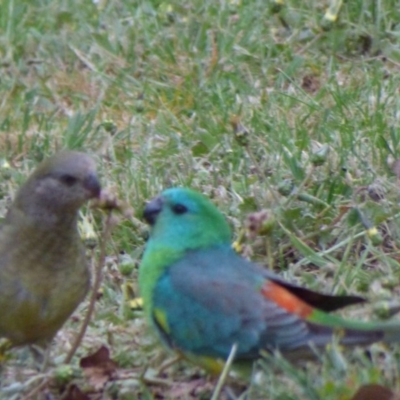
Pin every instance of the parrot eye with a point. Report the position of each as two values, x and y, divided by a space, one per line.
179 208
69 180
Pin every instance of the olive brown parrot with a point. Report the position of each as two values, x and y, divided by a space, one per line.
43 269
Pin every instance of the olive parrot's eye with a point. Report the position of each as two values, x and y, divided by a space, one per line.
69 180
179 208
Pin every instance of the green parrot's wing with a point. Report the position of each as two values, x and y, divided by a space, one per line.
204 308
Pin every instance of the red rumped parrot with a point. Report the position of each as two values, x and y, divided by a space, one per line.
202 297
43 269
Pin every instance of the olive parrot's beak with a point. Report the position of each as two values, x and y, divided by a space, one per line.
92 185
152 209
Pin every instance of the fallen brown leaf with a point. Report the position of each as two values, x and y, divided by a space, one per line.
98 367
375 392
74 393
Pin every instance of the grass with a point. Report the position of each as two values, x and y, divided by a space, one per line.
218 96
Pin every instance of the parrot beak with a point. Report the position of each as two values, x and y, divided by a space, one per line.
152 209
92 185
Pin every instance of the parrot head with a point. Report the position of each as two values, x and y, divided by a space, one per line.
183 219
60 184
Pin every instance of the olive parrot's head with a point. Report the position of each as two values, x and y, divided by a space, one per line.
63 182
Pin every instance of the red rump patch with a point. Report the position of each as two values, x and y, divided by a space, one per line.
285 299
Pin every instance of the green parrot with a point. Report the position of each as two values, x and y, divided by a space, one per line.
202 297
43 270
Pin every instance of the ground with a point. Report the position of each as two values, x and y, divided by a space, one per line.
291 129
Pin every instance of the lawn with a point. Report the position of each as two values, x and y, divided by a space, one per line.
280 122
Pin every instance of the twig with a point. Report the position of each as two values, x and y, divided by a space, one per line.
96 285
85 60
225 372
260 174
33 393
166 364
157 381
